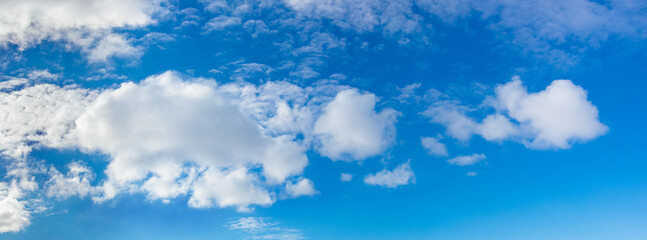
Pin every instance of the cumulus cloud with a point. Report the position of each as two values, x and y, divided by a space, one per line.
401 175
349 126
555 117
233 188
303 187
467 160
233 145
85 24
158 126
434 146
13 214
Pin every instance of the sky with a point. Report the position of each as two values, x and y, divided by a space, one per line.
323 119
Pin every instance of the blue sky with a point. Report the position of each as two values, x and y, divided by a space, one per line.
331 119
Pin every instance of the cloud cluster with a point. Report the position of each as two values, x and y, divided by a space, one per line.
233 145
555 117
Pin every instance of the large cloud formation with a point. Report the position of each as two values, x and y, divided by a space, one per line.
233 145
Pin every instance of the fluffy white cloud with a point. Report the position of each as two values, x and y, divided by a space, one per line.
232 145
303 187
555 117
349 126
40 115
13 214
112 45
86 24
233 188
467 160
401 175
434 146
158 126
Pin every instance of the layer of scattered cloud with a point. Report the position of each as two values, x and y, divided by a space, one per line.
263 228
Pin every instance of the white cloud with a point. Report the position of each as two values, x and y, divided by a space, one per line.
42 74
13 214
550 28
251 224
407 92
471 174
467 160
234 188
453 117
262 228
401 175
350 127
555 117
83 23
41 115
165 122
434 146
497 127
361 15
231 145
76 182
346 177
12 82
112 45
303 187
220 23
